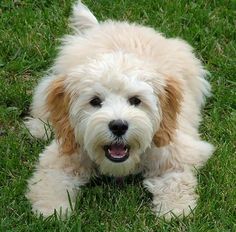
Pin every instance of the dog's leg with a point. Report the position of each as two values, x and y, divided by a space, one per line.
38 124
169 173
173 193
56 181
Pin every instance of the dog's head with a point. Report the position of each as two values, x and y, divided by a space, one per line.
114 107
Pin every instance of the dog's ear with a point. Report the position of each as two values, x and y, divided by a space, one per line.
170 101
82 18
58 101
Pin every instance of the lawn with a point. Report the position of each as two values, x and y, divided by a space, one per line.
29 36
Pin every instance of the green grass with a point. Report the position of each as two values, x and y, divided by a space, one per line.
29 34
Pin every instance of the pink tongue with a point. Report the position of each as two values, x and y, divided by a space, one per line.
117 150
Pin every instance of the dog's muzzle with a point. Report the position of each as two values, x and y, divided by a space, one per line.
117 152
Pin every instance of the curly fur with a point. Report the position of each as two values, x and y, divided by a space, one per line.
116 61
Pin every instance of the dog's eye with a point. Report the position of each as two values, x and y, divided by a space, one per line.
96 102
135 101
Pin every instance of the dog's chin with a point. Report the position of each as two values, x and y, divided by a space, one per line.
119 169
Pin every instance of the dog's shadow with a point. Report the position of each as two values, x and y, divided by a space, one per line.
116 182
113 195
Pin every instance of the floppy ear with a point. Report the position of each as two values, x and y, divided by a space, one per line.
170 101
58 105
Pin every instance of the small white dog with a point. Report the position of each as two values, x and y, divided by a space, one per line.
121 99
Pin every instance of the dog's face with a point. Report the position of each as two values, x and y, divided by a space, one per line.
111 109
114 111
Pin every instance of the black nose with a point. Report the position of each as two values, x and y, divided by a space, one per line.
118 127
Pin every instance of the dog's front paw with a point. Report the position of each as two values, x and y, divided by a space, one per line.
173 194
174 207
48 208
50 190
46 201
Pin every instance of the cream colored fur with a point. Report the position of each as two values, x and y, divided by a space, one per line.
118 60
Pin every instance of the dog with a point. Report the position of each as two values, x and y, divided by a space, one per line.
121 99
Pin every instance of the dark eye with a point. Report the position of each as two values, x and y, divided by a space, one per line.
135 101
96 102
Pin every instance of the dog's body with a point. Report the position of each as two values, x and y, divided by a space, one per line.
121 99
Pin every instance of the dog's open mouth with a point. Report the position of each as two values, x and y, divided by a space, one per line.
117 152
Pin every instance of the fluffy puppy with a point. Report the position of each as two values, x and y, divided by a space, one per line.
121 99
